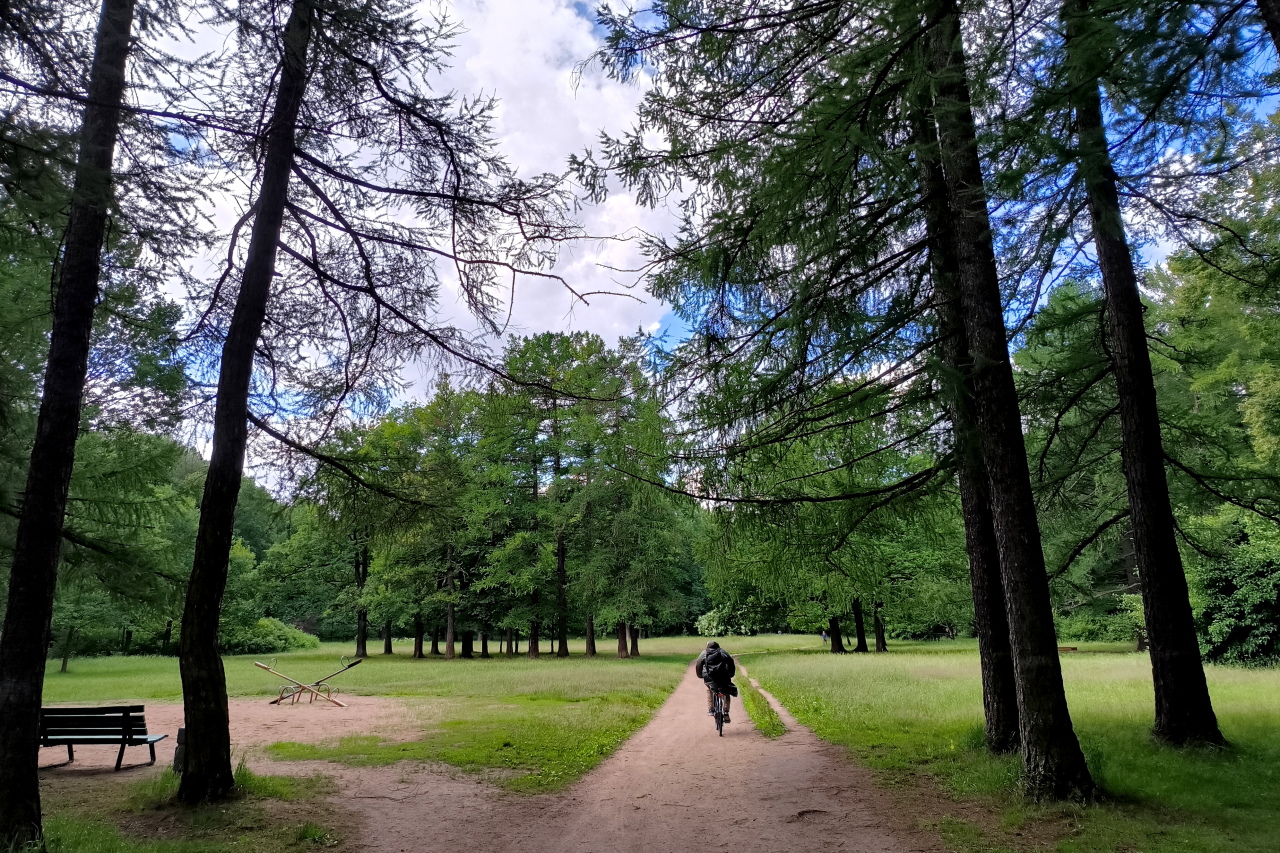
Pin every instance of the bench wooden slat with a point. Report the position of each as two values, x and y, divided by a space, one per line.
95 710
104 725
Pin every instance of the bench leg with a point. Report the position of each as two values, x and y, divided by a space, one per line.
71 756
120 757
153 752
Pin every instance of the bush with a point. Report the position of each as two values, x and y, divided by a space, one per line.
1088 625
265 636
1241 615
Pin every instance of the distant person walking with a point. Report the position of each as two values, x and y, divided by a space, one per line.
716 668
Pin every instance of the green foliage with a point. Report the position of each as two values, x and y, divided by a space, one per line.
265 636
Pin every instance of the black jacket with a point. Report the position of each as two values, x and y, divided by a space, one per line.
726 670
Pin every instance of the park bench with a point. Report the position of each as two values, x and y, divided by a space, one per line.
122 724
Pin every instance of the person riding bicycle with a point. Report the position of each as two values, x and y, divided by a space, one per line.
715 667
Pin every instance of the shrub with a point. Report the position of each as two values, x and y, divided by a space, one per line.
265 636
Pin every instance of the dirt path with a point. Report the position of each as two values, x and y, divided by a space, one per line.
675 787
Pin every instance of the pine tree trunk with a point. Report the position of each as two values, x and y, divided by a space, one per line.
24 642
999 693
1053 763
859 627
1270 11
534 640
419 633
362 633
635 641
435 639
1184 712
204 689
877 623
468 643
450 630
562 597
591 636
623 654
833 630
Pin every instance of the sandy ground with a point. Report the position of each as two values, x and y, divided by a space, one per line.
675 786
254 724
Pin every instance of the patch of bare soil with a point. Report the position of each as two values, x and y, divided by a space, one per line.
675 786
254 724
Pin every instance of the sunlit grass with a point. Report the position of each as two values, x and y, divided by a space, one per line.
919 707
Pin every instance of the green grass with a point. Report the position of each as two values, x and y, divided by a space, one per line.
919 708
766 720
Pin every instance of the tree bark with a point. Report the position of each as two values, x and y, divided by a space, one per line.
66 648
591 636
991 626
562 593
877 623
511 650
362 633
208 753
623 654
1053 763
534 640
635 641
419 633
859 627
484 642
435 639
1184 712
468 643
837 641
450 631
24 642
386 637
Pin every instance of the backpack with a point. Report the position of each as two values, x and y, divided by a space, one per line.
717 667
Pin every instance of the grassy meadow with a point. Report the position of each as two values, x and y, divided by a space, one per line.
538 725
918 709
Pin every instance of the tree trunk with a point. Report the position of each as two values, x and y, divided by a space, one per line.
511 649
837 642
562 596
435 639
386 637
419 633
450 631
1053 763
515 637
362 633
484 641
859 627
24 642
1184 712
623 654
468 643
534 640
208 754
167 638
66 648
635 641
877 622
999 692
1270 11
591 636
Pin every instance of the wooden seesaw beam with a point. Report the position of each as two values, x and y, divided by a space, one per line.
299 684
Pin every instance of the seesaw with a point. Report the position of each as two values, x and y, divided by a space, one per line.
294 689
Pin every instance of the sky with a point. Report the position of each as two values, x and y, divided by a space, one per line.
525 53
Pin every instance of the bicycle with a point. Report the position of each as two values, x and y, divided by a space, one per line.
717 709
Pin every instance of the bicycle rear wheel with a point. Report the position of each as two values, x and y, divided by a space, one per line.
719 715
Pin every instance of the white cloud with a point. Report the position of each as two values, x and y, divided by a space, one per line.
525 53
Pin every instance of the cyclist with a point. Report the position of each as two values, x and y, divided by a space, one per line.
715 667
